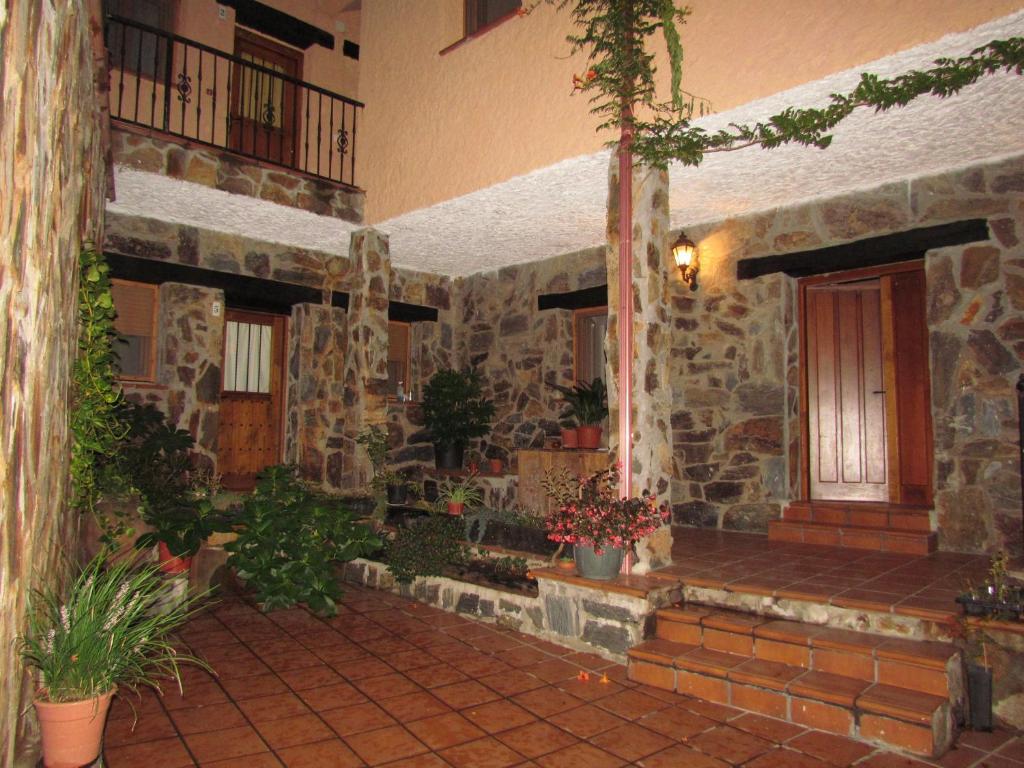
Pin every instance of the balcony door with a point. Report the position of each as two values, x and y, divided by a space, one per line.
252 395
265 106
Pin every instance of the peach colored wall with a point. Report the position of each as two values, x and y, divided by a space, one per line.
438 126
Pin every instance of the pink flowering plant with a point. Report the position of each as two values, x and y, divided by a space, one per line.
591 512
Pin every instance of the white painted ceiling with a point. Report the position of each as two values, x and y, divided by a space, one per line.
562 208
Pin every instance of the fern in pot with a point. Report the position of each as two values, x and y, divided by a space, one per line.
111 629
454 412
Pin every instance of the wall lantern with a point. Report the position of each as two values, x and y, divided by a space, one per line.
684 251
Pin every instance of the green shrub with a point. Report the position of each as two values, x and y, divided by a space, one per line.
289 541
425 547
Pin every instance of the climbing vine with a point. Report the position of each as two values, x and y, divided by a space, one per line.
620 80
96 428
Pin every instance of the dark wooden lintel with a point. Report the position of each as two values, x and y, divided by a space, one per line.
240 291
411 313
584 298
869 252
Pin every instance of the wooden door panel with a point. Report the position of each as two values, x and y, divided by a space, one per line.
846 407
249 431
911 381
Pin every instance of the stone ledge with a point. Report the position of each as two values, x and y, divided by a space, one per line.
635 586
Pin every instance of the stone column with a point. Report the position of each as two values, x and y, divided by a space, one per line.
650 327
366 364
315 411
191 350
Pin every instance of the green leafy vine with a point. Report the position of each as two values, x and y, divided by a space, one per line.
620 81
96 427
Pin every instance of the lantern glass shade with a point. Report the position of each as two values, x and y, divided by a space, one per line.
683 250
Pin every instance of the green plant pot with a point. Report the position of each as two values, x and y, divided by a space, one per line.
603 567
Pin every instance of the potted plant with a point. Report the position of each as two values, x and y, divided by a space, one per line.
111 629
180 528
998 597
397 485
600 525
374 440
455 411
458 493
570 435
587 406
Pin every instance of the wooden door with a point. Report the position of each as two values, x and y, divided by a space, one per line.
846 392
264 106
252 395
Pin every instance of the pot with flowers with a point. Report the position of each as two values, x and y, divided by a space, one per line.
600 525
111 629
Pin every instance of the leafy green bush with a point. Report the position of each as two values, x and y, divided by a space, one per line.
289 541
425 547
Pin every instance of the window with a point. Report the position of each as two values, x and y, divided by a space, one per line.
399 384
481 13
138 50
248 349
136 305
590 327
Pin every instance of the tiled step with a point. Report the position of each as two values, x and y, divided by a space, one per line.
864 514
907 542
897 692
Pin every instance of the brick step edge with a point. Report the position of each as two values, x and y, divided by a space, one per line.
901 541
928 667
928 735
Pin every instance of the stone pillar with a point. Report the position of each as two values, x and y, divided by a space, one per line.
191 350
366 364
316 416
53 181
650 327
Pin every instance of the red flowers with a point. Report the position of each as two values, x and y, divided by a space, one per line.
600 519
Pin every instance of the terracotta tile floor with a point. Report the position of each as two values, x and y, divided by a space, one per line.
394 683
915 585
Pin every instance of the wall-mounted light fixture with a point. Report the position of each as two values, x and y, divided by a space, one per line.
684 251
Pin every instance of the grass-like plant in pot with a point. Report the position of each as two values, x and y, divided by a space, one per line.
111 628
586 406
458 493
454 412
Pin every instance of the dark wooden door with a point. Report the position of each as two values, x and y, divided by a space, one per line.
264 105
249 431
847 424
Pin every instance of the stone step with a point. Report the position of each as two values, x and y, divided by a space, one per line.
896 692
908 542
866 514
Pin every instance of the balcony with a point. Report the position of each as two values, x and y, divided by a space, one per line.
241 120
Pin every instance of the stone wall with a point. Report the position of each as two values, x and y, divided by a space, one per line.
223 170
52 199
519 349
735 356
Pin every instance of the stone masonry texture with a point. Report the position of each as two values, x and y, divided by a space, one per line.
52 199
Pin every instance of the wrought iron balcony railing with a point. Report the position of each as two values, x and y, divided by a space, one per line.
246 105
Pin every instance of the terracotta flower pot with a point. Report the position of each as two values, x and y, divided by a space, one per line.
589 436
455 507
172 563
566 564
72 731
495 465
570 438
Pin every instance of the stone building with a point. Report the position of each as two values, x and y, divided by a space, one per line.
288 260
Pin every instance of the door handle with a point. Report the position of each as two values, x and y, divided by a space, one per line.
878 392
